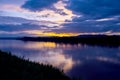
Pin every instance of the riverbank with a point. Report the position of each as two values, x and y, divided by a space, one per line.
14 68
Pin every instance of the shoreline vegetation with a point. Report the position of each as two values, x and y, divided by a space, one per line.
14 68
94 40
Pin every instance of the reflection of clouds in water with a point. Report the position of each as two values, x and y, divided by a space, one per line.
74 59
118 54
107 59
43 52
52 53
56 58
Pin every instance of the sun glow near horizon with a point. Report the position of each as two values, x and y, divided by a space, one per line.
60 34
39 33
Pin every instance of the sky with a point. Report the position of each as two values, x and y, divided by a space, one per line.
60 18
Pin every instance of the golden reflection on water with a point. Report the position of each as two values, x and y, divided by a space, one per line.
52 53
39 45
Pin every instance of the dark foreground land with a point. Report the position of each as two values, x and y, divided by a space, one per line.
14 68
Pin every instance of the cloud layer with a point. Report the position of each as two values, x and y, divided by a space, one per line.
56 17
37 5
95 8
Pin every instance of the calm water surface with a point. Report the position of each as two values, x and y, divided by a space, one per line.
87 62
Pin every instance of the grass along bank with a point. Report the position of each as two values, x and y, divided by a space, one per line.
14 68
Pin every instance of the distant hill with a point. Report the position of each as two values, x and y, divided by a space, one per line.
101 40
14 68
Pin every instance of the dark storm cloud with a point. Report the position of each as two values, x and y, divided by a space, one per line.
14 24
36 5
91 26
97 16
14 35
21 27
12 20
11 24
95 8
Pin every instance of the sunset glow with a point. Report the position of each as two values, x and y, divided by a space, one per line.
79 38
60 34
61 18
